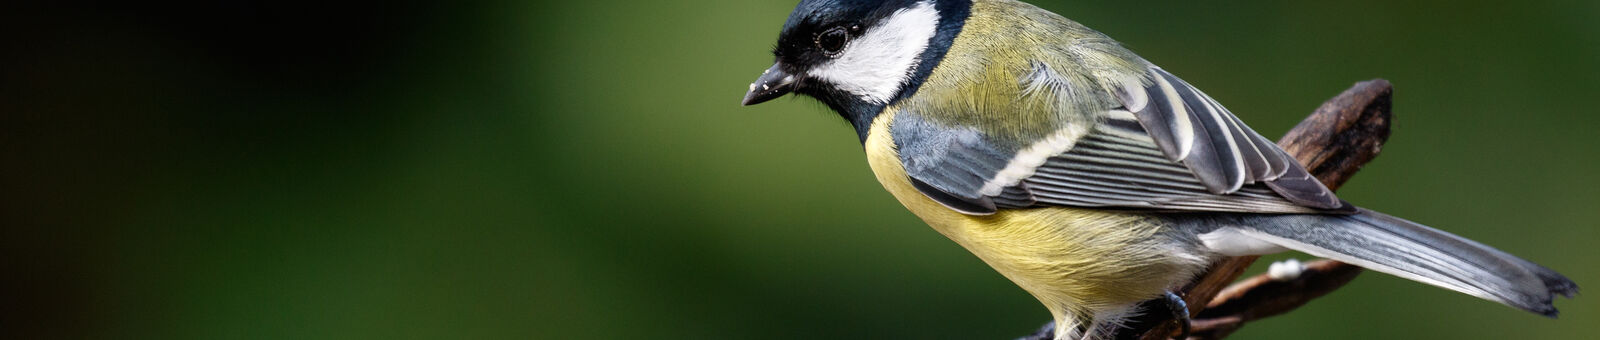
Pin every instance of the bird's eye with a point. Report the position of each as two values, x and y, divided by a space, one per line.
832 41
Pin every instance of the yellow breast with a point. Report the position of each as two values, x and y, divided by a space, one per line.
1078 262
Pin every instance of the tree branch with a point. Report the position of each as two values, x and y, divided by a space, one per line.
1333 143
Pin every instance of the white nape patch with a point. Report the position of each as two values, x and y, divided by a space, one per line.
1286 270
1028 160
875 65
1234 242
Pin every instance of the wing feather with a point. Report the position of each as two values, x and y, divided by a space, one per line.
1106 169
1226 154
1169 147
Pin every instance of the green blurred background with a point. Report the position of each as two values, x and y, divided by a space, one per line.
581 169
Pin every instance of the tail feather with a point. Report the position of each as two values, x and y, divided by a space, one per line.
1555 282
1406 249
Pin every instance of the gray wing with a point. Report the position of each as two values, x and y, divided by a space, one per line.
1170 147
1223 153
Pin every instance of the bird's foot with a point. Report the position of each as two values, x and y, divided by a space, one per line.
1180 313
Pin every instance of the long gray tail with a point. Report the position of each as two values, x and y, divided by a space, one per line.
1406 249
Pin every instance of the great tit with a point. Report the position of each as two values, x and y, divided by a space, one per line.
1088 176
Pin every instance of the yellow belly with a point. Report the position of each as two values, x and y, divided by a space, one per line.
1080 263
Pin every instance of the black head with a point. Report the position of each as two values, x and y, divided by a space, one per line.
858 56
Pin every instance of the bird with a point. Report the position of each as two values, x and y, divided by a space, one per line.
1083 173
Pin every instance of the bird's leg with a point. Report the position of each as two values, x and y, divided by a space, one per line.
1180 313
1176 310
1048 332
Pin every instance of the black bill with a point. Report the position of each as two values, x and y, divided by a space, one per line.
773 83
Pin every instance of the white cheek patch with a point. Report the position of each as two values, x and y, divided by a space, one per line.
875 65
